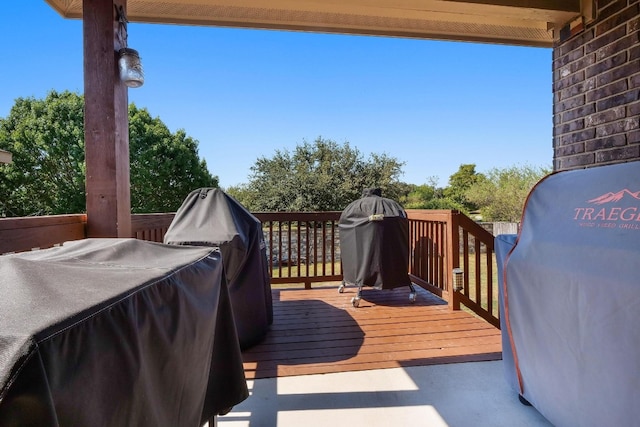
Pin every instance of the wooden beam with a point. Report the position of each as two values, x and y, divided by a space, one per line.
518 22
106 122
556 5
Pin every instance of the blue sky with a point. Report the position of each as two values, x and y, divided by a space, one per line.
245 93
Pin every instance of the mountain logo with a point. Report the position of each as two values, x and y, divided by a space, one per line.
609 213
615 197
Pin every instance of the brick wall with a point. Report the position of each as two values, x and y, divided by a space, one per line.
596 89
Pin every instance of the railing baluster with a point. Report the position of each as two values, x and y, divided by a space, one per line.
289 250
440 236
315 249
324 248
307 284
432 245
465 260
270 263
335 243
478 271
489 265
280 247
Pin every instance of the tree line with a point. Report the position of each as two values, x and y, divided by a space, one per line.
325 176
47 175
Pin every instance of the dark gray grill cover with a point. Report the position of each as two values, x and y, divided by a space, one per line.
116 332
210 217
374 242
571 296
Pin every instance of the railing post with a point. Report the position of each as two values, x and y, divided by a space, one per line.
453 258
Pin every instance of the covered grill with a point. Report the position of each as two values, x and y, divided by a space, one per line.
210 217
116 332
374 244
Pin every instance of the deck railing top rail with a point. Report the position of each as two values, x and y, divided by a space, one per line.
27 233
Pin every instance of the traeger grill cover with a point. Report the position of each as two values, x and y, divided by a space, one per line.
116 332
210 217
374 242
571 297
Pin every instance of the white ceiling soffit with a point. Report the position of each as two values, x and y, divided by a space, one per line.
518 22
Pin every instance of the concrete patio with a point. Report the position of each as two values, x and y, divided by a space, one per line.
473 394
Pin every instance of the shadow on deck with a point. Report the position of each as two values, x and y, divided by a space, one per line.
318 331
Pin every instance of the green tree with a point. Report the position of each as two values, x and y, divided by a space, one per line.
318 176
502 192
165 167
47 175
459 183
243 194
429 196
403 191
46 138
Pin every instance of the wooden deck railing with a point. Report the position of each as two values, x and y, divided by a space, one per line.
39 232
151 227
444 240
303 247
430 241
480 271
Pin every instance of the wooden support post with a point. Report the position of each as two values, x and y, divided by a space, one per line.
106 122
453 242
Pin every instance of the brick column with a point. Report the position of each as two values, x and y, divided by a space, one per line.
596 89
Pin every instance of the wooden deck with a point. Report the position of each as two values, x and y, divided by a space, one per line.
318 331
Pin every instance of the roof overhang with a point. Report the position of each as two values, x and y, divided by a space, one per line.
5 157
517 22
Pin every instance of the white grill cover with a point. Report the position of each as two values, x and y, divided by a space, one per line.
571 292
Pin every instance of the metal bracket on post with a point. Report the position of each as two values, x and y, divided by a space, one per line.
121 17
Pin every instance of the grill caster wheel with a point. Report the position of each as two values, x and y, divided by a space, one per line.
412 297
341 287
355 301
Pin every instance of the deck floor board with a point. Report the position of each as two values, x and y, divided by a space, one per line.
318 331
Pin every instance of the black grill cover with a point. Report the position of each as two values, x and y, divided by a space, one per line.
210 217
374 242
116 332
